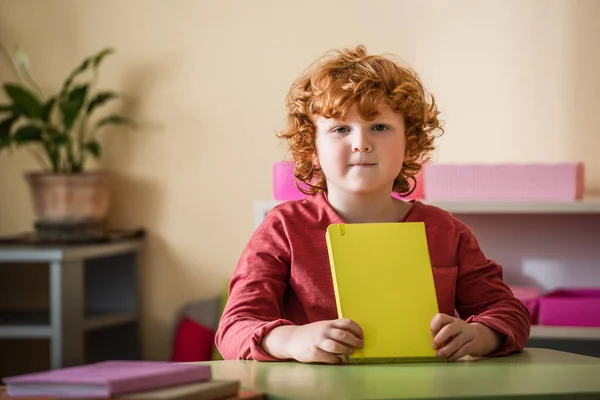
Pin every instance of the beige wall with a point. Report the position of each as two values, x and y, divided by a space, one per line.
515 80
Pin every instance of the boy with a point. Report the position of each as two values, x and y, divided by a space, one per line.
360 127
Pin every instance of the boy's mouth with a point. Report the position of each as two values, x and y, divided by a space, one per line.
363 165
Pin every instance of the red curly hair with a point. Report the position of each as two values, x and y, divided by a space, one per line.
341 78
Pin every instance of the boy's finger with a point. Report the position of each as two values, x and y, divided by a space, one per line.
345 337
445 335
350 325
334 347
438 322
454 346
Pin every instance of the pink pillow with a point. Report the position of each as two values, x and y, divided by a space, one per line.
193 342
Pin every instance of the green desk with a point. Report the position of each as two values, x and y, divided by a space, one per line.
533 374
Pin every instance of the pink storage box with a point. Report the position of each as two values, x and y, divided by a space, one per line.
570 307
529 296
284 186
551 182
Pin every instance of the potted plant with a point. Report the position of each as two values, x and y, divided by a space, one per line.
62 131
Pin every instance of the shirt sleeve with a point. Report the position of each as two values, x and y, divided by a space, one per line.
483 297
256 293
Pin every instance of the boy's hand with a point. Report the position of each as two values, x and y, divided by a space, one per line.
454 338
323 341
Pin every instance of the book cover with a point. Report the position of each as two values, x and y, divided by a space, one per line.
105 379
383 281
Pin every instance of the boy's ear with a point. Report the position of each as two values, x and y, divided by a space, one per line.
316 163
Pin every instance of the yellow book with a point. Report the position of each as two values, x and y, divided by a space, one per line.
383 281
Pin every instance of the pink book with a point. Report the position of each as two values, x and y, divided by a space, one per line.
106 379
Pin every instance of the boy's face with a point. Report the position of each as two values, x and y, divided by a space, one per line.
358 156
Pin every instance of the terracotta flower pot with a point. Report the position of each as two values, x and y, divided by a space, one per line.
69 199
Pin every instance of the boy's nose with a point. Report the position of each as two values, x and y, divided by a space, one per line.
360 143
361 148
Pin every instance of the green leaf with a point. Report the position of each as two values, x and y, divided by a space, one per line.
51 129
100 99
93 147
61 139
72 104
47 109
24 99
5 127
85 64
100 56
10 111
28 134
93 60
81 68
114 120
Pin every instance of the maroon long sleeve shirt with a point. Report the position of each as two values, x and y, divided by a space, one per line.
283 277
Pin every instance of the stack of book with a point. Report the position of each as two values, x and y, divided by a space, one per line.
127 380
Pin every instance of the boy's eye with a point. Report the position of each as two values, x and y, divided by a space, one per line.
380 128
341 129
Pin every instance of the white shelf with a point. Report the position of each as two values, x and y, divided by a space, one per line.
108 320
26 325
589 205
565 332
25 332
37 325
40 253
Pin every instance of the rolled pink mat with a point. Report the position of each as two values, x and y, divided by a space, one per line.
542 181
284 184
